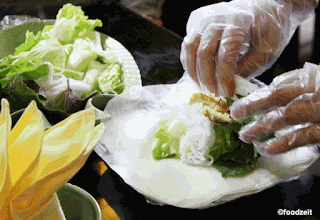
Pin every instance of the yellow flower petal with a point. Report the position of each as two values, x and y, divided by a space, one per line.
5 114
44 188
82 124
50 210
25 143
3 155
65 141
96 135
5 124
5 184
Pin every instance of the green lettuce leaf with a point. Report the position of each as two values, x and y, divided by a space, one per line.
166 145
24 67
71 24
82 55
33 64
92 74
49 50
232 157
167 139
229 169
68 49
111 81
239 162
31 41
226 139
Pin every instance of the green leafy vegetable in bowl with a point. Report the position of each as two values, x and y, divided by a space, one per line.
61 66
206 136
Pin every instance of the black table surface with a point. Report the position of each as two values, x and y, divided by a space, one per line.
156 51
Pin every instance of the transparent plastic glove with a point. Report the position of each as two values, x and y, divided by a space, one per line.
243 37
291 104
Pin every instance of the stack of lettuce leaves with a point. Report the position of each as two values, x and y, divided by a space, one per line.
60 66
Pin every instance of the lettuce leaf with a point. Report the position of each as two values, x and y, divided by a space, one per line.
33 64
167 138
25 68
239 162
30 41
71 24
226 139
232 157
166 146
111 81
230 169
49 50
93 72
82 55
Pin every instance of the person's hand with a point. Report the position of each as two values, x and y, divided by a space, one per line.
243 37
291 101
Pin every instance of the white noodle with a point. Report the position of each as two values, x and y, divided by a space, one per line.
196 142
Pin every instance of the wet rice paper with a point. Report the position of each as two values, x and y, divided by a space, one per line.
126 147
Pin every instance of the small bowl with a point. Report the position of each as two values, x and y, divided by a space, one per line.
78 204
98 103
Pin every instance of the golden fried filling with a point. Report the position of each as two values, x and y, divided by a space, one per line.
215 108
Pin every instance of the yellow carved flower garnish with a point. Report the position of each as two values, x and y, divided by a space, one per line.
35 163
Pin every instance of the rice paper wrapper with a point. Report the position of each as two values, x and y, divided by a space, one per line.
126 147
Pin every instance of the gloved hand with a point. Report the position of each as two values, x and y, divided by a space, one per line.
291 102
243 37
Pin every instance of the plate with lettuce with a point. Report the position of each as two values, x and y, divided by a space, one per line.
63 63
167 143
